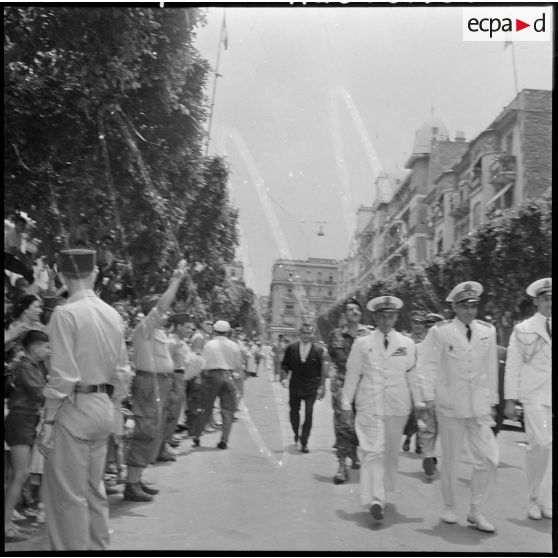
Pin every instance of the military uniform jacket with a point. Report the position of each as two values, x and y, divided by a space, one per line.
461 376
376 377
529 363
339 347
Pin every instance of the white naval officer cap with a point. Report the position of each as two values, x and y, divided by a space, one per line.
221 326
539 287
384 304
469 291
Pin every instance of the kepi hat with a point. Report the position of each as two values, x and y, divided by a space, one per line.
539 287
385 304
433 318
469 291
418 316
76 262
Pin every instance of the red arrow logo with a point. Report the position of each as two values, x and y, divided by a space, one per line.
519 25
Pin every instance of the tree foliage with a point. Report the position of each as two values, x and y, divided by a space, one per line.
505 255
104 134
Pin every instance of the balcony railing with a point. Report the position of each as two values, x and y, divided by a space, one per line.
503 170
459 206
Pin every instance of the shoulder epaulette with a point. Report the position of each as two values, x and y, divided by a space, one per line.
370 328
488 324
442 323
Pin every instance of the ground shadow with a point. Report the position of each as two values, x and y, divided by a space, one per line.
365 520
466 482
542 525
119 507
354 478
457 534
506 466
419 475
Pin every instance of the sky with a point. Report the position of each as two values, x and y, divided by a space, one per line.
313 103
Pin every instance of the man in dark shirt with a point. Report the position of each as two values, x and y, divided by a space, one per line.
305 362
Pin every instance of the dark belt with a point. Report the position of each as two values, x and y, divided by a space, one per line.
179 371
100 388
147 373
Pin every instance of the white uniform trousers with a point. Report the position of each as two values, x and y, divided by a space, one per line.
379 440
484 451
538 458
76 506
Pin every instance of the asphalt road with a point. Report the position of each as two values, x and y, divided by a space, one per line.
262 494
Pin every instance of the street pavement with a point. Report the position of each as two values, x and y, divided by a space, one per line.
262 494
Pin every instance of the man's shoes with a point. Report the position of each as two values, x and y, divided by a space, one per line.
165 457
222 445
449 516
196 442
169 448
480 522
342 474
534 511
304 449
377 511
147 490
134 493
16 516
11 534
407 444
355 463
546 512
429 466
418 450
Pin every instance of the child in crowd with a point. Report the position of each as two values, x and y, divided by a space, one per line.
26 399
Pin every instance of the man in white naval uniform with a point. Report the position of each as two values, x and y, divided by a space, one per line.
528 379
458 366
377 381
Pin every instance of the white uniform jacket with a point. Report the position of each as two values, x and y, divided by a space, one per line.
376 378
459 375
529 362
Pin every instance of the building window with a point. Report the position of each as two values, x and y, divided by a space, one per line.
290 290
330 278
290 276
330 293
508 143
319 276
440 246
289 309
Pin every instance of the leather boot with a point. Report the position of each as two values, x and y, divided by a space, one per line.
342 474
134 493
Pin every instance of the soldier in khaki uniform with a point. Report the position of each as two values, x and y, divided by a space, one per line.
151 388
458 367
528 379
339 347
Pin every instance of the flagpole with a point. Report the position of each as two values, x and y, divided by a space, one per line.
514 68
214 86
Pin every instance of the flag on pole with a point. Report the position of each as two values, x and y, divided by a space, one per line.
224 34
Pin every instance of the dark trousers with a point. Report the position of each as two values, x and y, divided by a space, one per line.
294 404
346 440
216 383
411 427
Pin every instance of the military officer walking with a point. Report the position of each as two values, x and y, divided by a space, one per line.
528 379
377 382
88 361
339 347
459 367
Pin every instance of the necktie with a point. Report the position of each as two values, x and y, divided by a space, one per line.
386 341
468 327
548 328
